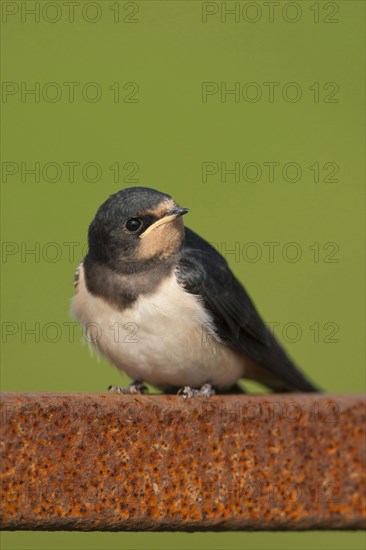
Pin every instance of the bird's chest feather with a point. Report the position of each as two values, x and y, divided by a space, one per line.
165 337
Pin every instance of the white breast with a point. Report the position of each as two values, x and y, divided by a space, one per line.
165 339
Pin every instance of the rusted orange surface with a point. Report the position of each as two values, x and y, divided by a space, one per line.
114 462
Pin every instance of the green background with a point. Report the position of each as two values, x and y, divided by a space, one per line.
168 133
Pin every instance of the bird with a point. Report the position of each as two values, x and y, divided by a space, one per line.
163 306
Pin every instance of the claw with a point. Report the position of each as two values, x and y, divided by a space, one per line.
135 388
205 391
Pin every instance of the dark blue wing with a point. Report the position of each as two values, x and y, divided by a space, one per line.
203 271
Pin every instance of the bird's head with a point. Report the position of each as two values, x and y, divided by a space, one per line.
137 224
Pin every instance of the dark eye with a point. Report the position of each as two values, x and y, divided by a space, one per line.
133 224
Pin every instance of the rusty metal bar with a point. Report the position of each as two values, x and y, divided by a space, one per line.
110 462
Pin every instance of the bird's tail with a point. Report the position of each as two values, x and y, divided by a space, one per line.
286 375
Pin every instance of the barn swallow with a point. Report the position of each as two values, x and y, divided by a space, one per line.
195 329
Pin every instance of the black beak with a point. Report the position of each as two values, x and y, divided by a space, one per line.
177 211
170 216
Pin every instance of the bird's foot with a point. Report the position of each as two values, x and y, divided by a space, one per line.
135 388
205 391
